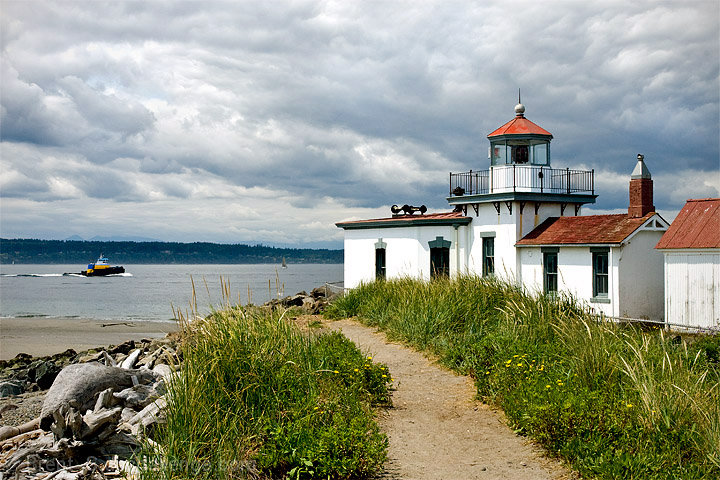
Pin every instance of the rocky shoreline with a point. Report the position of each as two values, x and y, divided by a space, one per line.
82 415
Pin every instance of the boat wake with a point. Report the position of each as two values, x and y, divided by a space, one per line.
31 274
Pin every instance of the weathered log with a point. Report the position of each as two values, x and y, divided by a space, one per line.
77 386
137 397
129 362
95 421
9 432
21 437
105 400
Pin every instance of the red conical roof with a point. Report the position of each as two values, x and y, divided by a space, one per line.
520 125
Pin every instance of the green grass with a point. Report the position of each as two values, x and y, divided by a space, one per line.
615 401
256 396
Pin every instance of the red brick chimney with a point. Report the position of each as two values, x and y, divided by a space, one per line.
641 190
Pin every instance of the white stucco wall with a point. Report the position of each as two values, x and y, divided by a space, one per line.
574 275
407 251
508 229
692 287
641 277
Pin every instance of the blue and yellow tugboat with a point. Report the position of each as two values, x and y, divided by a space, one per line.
102 267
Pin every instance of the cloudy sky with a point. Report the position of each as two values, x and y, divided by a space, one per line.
270 121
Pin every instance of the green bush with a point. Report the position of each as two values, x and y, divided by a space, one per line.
614 400
257 396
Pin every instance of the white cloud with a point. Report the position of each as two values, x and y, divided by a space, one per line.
281 119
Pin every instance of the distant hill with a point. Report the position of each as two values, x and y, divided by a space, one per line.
128 252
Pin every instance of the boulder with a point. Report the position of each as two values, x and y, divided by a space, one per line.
78 385
8 389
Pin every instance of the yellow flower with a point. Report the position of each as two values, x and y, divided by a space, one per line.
487 372
519 364
384 376
515 356
547 386
369 358
336 371
629 405
357 370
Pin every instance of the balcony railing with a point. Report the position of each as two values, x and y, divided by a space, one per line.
522 178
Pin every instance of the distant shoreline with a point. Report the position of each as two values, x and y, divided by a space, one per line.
53 252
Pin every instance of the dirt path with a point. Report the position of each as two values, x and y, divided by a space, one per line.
436 428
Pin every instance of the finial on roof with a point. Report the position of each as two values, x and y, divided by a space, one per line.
641 170
519 108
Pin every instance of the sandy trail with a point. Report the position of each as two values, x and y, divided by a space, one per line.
437 430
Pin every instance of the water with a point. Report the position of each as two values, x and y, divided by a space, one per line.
148 292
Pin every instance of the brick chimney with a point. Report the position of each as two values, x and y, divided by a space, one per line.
641 190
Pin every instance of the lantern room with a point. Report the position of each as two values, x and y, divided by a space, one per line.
520 142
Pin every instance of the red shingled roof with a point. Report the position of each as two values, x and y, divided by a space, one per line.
590 229
696 226
520 126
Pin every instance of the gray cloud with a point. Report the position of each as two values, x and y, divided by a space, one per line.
352 106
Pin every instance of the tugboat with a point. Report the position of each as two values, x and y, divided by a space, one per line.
101 267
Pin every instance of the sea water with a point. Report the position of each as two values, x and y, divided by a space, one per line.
149 292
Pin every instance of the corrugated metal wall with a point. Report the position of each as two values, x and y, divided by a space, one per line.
692 288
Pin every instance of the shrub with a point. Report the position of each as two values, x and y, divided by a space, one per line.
256 395
615 401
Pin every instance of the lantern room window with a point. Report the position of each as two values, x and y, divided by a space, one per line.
520 152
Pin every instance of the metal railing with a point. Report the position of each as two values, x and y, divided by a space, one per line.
522 178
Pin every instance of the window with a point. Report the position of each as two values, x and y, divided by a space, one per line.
488 252
550 270
379 264
600 272
519 153
439 262
439 257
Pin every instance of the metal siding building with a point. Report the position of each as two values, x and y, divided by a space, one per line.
691 248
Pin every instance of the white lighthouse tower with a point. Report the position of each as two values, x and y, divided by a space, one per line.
518 191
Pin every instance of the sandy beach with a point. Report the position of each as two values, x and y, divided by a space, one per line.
40 336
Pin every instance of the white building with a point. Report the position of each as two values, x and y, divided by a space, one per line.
520 219
691 248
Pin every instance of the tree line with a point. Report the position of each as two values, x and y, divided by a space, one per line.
82 252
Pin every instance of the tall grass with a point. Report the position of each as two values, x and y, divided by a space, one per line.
257 398
616 401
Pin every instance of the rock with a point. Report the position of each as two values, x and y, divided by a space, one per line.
10 388
318 292
78 385
294 301
163 370
123 348
44 374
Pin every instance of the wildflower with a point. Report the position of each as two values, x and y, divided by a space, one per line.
515 356
357 370
487 372
336 371
629 405
384 376
547 386
519 364
369 358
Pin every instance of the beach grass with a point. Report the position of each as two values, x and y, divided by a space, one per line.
615 401
256 397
